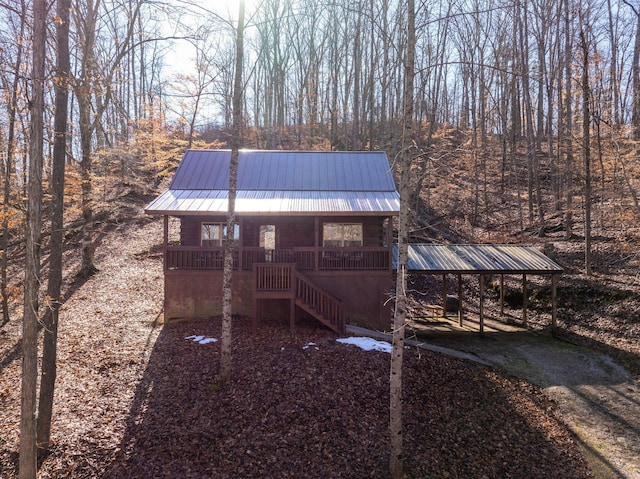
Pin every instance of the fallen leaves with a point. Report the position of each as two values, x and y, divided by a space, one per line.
137 400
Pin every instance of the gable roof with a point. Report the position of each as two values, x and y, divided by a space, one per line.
277 182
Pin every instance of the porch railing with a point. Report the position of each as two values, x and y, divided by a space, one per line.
305 258
274 278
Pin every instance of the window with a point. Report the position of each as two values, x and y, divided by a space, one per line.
341 235
268 236
212 234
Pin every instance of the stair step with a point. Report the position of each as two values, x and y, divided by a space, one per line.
319 316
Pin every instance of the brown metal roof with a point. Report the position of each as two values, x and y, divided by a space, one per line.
275 182
477 258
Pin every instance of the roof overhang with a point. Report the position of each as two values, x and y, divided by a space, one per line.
215 202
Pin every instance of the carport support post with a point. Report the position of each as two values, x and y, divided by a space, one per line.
460 299
502 295
165 244
481 304
554 296
525 299
444 295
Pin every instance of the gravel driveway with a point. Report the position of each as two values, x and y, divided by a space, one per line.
599 399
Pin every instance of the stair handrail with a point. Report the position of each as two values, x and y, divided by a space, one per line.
321 301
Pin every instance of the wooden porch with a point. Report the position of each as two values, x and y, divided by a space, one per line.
304 258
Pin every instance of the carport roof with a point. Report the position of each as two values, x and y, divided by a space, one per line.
476 258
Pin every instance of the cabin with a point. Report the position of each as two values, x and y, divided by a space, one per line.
312 236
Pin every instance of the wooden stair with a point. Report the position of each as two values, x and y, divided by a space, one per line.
281 280
319 303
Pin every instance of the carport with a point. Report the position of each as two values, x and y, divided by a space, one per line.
482 260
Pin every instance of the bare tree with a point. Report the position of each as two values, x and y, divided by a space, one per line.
84 88
28 451
534 188
635 71
396 462
586 143
194 91
12 108
236 141
54 297
567 114
93 91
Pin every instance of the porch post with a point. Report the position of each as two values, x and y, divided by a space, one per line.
389 234
316 239
240 243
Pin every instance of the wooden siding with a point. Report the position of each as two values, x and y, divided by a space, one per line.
297 231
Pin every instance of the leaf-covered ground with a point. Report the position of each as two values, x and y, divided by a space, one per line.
135 399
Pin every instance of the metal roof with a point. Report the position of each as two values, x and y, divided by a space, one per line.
477 258
286 171
201 202
273 182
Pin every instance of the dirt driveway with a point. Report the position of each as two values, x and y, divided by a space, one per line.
599 399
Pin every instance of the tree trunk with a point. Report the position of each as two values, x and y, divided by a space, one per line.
227 275
54 298
586 117
533 183
87 267
28 452
83 91
614 86
635 118
11 113
568 124
94 85
396 458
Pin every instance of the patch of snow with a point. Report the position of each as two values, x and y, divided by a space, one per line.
201 339
368 344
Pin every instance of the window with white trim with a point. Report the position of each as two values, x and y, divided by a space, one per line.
341 235
212 234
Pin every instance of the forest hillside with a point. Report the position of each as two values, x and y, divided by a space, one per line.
135 398
464 195
460 194
101 370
